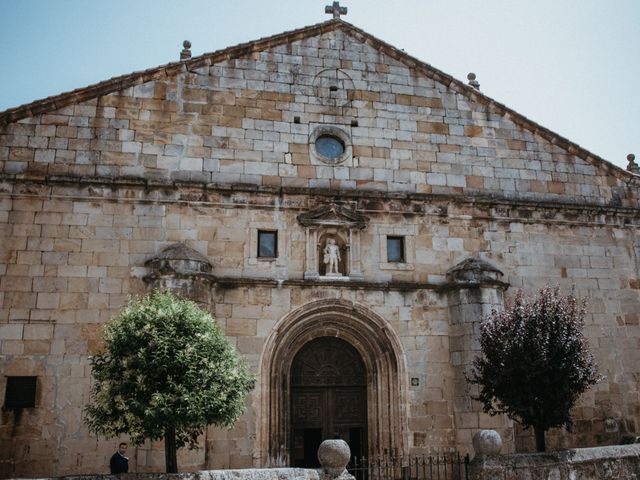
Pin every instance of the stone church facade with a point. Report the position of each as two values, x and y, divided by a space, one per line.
347 213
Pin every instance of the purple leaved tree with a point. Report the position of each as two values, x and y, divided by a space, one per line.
535 361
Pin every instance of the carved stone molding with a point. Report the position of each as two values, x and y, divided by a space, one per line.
333 214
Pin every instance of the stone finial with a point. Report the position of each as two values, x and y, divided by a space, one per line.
336 10
487 442
181 259
633 166
334 455
181 269
473 270
186 51
472 81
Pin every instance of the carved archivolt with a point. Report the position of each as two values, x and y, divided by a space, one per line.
383 357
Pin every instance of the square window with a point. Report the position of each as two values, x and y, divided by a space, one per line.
267 244
20 392
395 249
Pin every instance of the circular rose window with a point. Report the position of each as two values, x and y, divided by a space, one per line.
330 147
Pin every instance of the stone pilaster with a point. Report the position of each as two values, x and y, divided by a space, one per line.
475 289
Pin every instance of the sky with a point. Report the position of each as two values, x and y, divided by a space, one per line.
570 65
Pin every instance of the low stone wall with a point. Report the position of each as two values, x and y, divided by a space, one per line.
241 474
601 463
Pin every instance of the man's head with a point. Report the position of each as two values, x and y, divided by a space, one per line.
122 448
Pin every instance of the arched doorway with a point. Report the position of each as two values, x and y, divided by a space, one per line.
328 399
382 355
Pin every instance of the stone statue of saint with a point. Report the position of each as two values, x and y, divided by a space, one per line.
331 257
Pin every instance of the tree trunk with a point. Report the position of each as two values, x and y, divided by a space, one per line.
539 431
170 457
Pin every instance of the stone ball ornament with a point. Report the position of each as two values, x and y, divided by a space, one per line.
334 456
487 442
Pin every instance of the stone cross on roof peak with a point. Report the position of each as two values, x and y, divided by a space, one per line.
335 9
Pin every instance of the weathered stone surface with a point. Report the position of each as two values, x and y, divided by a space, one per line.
230 474
334 455
474 270
487 442
601 463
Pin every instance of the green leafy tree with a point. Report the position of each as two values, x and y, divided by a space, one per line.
535 361
167 372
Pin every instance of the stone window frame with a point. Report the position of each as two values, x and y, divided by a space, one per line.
276 250
332 131
403 248
251 247
409 234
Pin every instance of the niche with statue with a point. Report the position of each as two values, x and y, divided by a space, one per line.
333 254
333 242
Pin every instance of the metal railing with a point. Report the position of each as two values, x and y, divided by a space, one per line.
450 466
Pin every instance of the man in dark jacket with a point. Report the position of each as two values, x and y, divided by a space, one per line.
119 463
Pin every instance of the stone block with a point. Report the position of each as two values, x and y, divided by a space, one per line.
48 300
241 327
11 331
11 347
38 332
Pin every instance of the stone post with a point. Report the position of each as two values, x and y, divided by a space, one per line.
311 264
487 442
475 288
334 456
355 262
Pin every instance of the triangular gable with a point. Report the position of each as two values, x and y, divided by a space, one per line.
174 68
333 215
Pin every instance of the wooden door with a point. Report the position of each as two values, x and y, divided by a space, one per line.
328 399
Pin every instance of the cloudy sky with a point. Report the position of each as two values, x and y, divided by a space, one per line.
571 65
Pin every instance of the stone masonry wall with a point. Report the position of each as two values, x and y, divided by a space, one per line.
72 263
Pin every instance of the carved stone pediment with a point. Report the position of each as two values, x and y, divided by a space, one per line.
336 215
333 242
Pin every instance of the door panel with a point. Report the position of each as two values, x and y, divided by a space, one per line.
331 412
328 399
308 407
348 406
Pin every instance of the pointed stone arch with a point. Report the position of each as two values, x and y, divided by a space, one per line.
382 353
